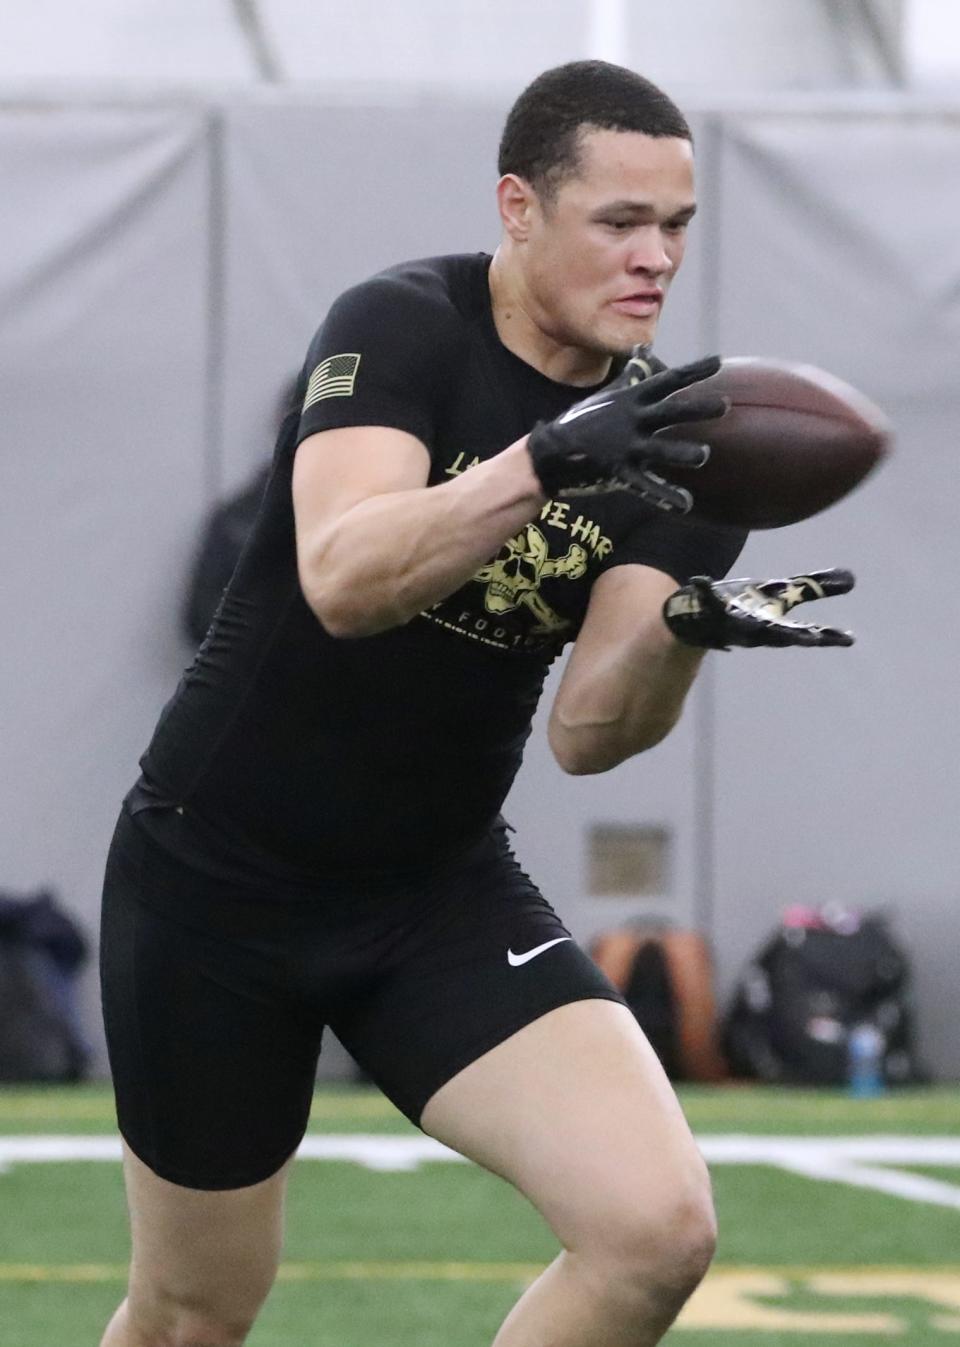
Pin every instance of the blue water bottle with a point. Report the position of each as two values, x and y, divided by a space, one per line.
866 1045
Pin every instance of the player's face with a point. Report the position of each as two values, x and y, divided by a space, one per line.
603 254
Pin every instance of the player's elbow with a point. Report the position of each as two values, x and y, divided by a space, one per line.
342 609
586 759
590 751
343 624
349 597
576 763
347 621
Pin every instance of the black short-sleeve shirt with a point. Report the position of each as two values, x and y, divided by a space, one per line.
326 756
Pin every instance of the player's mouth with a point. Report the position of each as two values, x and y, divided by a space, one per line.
641 304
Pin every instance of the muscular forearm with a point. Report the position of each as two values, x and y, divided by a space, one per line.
392 555
625 702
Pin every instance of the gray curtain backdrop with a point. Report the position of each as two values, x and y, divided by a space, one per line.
162 270
839 775
103 356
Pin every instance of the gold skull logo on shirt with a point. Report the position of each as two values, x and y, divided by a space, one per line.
514 577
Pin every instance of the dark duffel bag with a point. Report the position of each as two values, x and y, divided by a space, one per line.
823 974
41 953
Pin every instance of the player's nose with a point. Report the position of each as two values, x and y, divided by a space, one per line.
649 254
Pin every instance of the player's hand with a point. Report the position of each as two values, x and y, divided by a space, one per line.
604 443
718 614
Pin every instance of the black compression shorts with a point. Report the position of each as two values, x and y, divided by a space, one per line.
216 991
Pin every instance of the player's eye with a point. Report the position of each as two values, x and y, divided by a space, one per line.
675 226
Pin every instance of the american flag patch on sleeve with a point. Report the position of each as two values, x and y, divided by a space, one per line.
333 378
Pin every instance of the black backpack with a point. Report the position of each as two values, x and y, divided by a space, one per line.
41 952
822 974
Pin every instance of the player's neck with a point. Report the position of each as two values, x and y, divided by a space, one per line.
518 329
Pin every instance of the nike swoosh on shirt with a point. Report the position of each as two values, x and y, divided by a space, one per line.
515 960
574 412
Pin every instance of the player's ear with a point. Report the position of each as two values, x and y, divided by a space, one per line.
516 200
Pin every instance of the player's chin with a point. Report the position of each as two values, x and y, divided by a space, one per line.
620 333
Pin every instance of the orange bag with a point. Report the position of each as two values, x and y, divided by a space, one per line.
666 976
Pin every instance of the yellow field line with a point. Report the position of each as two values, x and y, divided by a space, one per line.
36 1108
452 1271
295 1272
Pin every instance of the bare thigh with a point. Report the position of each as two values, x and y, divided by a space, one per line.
576 1111
214 1254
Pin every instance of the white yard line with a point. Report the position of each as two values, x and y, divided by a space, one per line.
861 1162
895 1182
851 1160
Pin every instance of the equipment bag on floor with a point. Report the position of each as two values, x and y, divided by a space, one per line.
666 977
41 952
822 974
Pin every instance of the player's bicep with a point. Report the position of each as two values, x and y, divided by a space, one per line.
336 469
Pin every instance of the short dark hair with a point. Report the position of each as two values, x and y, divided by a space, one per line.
542 135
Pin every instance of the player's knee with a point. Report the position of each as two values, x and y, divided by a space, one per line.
686 1251
168 1320
195 1332
657 1253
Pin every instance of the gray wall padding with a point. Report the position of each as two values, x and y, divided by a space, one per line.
103 288
161 273
841 769
320 198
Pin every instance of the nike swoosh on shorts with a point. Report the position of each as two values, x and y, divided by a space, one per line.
515 960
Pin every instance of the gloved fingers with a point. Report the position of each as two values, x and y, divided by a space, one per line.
724 613
669 454
661 415
652 488
832 636
702 584
804 588
706 594
799 633
836 580
672 380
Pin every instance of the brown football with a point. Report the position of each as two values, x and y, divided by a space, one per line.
794 440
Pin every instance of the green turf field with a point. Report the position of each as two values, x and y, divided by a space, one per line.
434 1255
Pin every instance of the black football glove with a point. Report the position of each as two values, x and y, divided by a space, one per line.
604 443
718 614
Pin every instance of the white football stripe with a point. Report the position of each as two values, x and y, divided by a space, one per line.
854 1161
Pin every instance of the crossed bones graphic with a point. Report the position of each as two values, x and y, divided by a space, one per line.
514 579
